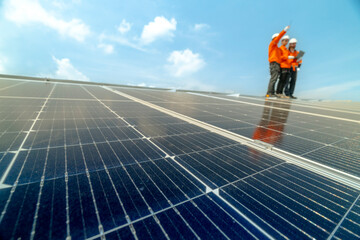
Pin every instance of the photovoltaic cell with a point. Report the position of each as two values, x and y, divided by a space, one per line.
273 122
350 227
338 158
296 202
28 89
84 162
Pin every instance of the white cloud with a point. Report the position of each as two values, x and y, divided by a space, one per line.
329 92
201 26
65 70
108 48
159 28
124 27
30 11
185 62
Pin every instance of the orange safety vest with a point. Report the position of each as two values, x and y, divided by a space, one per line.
285 62
294 62
274 51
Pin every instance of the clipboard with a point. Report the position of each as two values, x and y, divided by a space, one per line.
300 54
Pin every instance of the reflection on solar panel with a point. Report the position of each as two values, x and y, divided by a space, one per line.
82 161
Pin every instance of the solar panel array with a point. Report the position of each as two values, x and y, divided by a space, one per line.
88 162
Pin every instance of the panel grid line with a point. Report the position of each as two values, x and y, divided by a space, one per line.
13 160
343 218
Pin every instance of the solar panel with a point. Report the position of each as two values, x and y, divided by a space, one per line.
92 162
309 133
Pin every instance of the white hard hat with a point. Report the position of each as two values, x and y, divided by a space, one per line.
275 35
286 37
293 40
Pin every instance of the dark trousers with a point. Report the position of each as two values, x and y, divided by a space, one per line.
290 87
284 78
274 75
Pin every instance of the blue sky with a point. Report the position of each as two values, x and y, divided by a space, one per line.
200 45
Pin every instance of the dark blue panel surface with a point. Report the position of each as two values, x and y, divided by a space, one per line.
130 197
5 159
199 222
29 165
222 220
11 141
83 172
152 193
182 144
148 229
350 227
4 196
295 145
295 202
175 226
344 160
123 234
18 224
83 220
51 221
55 166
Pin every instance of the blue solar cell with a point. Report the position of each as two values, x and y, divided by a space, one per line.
123 234
148 229
11 141
134 204
321 209
71 137
338 158
209 177
175 226
344 234
101 174
170 190
33 166
152 194
184 181
4 196
199 222
55 166
350 228
17 224
308 186
276 198
57 138
318 196
5 159
222 220
292 200
103 192
51 220
74 160
281 225
83 220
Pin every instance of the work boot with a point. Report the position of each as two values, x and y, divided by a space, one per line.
292 97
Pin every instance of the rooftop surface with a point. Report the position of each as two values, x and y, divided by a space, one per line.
88 161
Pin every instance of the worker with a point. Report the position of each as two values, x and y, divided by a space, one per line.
285 66
274 60
295 67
